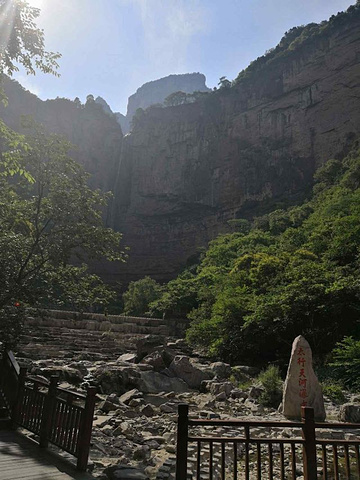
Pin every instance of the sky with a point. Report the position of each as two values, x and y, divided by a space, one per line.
112 47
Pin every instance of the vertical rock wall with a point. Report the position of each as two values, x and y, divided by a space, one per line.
186 170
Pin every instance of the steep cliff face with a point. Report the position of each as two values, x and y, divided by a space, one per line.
97 137
156 91
186 170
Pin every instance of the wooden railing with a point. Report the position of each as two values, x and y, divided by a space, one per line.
307 448
56 415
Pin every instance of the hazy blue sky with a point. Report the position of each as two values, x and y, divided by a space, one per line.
111 47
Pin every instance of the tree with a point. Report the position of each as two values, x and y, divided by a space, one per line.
50 228
139 295
21 42
224 82
176 98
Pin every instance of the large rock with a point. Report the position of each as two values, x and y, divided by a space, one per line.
116 379
349 413
153 382
191 372
301 385
124 472
221 369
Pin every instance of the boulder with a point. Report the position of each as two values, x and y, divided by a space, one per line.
127 357
116 379
349 413
156 360
216 388
130 395
220 369
191 372
301 386
148 344
256 391
153 382
124 472
147 410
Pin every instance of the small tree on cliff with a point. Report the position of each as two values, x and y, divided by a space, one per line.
176 98
224 82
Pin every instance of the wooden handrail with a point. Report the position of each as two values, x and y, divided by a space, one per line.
340 458
46 383
38 406
14 364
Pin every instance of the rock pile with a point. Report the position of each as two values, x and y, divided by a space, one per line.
134 434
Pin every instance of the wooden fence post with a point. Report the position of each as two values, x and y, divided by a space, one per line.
86 429
308 431
47 413
16 407
182 442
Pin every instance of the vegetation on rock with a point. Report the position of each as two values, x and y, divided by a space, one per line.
295 272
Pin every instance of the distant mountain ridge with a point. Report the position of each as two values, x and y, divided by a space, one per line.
155 92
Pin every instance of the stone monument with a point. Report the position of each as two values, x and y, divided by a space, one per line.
302 387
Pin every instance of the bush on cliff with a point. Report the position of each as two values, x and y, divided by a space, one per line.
295 272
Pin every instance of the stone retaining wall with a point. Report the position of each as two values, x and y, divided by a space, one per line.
107 323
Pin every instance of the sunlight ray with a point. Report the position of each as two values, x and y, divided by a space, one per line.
7 17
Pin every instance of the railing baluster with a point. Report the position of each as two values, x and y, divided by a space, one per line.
247 459
198 461
258 460
210 460
357 460
271 466
293 462
335 462
282 461
347 462
223 461
324 463
235 461
68 421
182 442
50 400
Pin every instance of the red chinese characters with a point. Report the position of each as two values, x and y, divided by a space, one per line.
301 361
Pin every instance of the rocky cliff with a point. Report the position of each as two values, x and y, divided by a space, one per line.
186 170
155 92
97 137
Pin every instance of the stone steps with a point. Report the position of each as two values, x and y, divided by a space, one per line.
68 334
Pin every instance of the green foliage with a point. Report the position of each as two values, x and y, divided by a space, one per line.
176 98
271 382
224 83
21 42
178 298
334 391
295 42
140 295
293 272
47 225
11 323
346 362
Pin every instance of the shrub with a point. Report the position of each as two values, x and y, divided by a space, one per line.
272 384
346 363
334 391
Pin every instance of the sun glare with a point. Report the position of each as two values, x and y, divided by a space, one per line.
36 3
